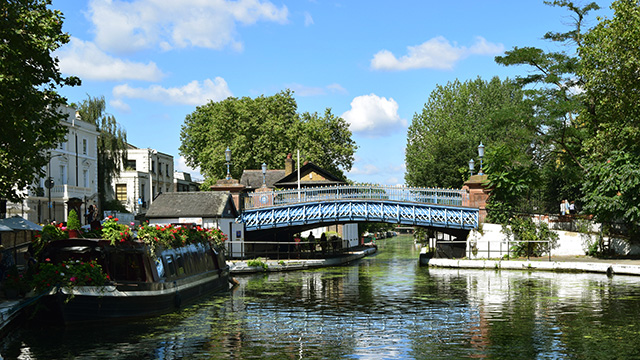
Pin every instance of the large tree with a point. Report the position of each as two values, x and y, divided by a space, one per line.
262 130
553 90
610 67
112 142
455 120
29 103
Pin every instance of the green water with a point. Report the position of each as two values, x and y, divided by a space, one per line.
382 307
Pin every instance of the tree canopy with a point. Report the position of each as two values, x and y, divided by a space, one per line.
263 130
455 120
112 142
29 102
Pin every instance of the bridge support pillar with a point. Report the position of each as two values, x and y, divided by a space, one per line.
478 193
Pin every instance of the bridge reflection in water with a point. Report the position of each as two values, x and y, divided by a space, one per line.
436 208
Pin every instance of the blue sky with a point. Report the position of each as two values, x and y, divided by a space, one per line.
372 62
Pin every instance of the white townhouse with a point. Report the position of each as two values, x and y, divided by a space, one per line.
73 174
146 174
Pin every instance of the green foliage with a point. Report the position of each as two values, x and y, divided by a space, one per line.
112 143
609 65
114 205
258 263
69 274
263 130
455 119
528 236
73 222
169 236
29 103
116 232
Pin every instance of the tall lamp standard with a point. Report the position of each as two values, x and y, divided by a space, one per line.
480 155
471 166
227 157
264 175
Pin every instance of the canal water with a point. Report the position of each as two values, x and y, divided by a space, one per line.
382 307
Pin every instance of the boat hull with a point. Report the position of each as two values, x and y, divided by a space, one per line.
120 302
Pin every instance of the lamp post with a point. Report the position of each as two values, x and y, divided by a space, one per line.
227 157
264 175
480 155
471 166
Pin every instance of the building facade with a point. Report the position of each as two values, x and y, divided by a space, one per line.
182 182
73 174
146 174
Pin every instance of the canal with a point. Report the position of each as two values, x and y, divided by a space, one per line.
382 307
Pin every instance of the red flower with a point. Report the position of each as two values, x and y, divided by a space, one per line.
116 219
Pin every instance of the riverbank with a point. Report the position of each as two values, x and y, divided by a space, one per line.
242 267
561 264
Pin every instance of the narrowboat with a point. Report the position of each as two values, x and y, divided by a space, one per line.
142 282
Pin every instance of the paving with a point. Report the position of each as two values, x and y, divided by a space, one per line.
557 263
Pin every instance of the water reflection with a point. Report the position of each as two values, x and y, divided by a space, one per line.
384 306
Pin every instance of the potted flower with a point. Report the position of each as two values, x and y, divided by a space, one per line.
116 232
73 224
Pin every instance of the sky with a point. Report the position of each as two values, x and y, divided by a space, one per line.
374 63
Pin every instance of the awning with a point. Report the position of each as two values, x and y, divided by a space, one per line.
20 223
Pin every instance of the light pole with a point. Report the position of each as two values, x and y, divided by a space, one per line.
264 175
480 155
471 166
227 157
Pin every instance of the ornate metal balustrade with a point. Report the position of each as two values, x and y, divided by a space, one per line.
455 197
355 203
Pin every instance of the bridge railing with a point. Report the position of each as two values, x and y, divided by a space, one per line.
455 197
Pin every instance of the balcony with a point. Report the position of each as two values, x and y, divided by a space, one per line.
68 191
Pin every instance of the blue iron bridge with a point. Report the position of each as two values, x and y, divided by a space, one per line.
435 208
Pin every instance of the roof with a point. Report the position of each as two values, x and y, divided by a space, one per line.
309 167
252 179
193 204
19 223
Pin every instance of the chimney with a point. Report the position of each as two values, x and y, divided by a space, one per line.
288 165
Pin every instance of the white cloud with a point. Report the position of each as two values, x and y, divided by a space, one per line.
367 169
308 20
182 166
125 26
303 90
371 115
436 53
120 105
194 93
85 60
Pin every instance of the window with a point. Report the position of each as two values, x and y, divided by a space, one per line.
84 146
130 165
153 167
121 192
167 169
159 168
63 174
85 178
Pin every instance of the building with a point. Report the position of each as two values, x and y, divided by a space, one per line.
182 182
209 209
73 173
146 174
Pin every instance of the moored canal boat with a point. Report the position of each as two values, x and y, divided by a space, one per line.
141 280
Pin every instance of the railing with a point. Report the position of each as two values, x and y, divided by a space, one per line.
454 197
68 191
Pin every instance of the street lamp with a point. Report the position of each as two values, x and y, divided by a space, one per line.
481 155
227 157
471 166
264 175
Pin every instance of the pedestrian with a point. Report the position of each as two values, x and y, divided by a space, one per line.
572 207
562 208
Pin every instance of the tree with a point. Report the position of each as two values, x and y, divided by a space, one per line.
556 102
112 142
456 118
610 66
29 102
262 130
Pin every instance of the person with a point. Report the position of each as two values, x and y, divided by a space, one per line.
30 265
93 218
572 207
562 207
312 242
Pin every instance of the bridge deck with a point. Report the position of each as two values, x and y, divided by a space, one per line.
343 204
